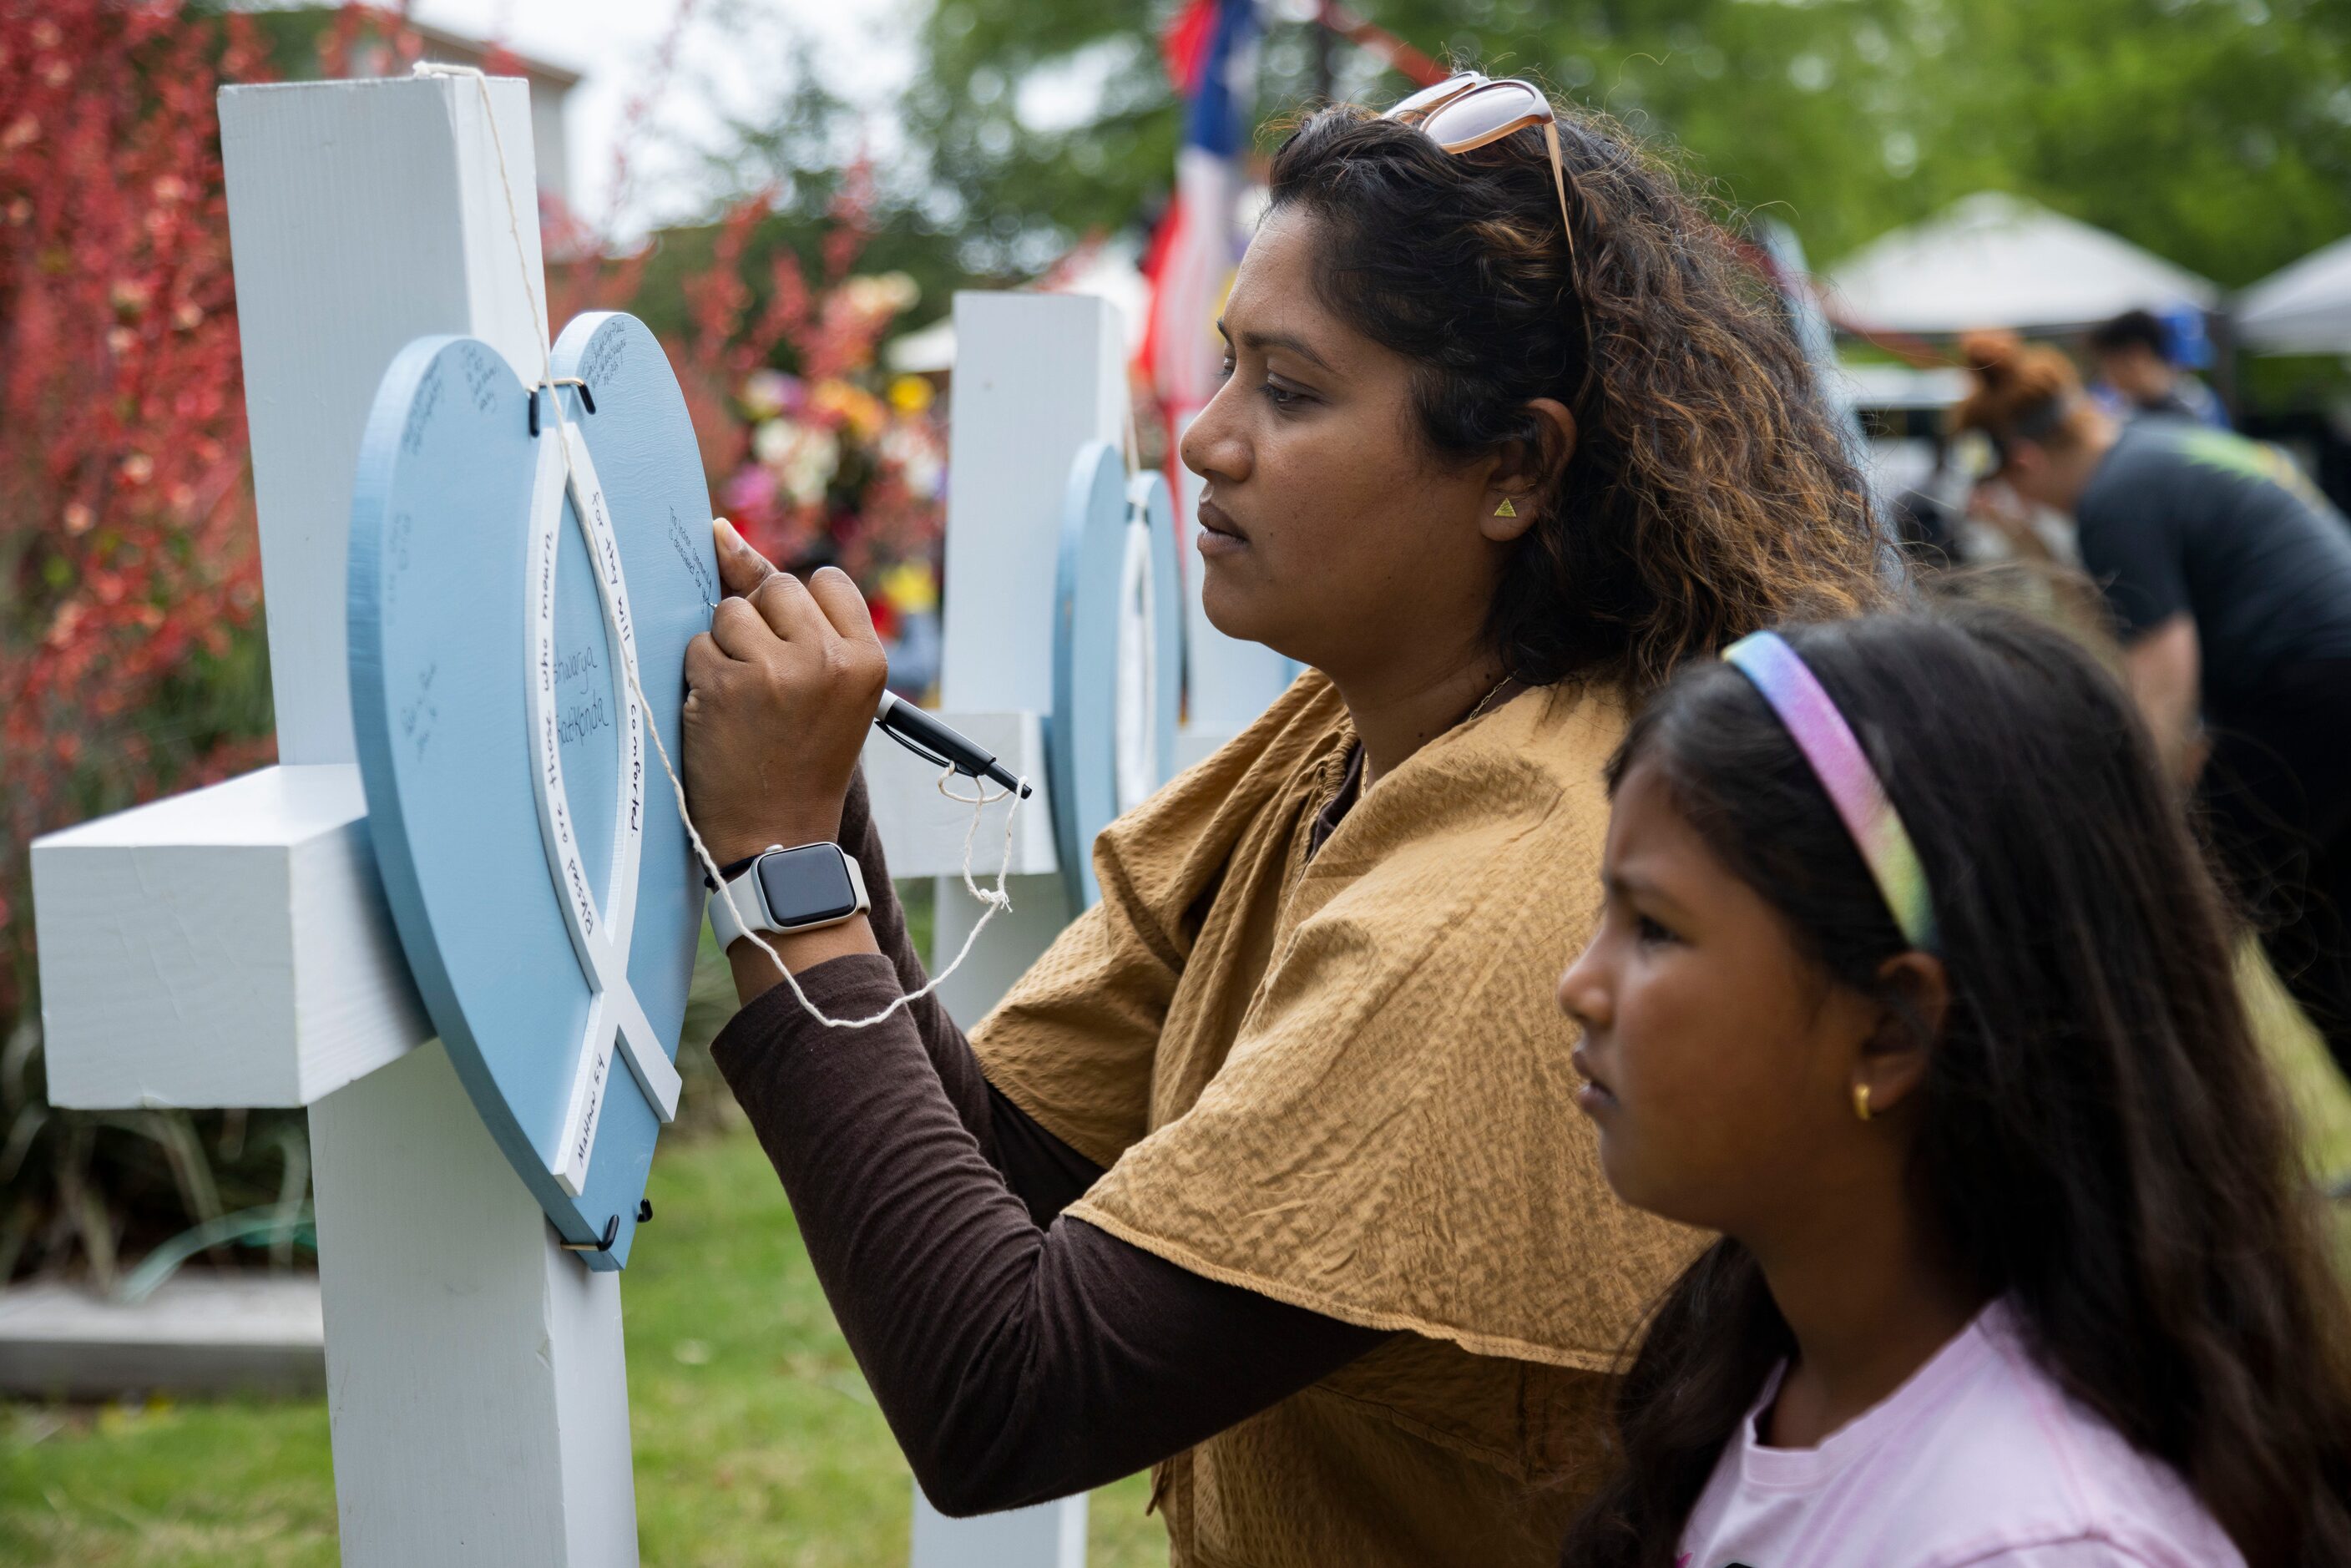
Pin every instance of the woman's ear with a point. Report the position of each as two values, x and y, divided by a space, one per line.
1895 1057
1528 468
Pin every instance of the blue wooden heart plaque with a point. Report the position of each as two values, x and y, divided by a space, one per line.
1150 642
1118 656
540 881
1082 740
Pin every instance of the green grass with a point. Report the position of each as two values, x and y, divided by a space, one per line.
188 1484
757 1440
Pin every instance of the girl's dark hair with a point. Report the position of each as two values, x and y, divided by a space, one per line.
1708 493
2099 1136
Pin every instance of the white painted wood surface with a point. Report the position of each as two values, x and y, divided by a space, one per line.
478 1395
200 1333
266 969
474 1371
1037 377
362 214
1013 941
925 830
1049 1535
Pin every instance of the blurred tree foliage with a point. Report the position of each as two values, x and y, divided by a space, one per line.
2217 132
798 161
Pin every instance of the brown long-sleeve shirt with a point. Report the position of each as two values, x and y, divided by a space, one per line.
1335 1074
1018 1356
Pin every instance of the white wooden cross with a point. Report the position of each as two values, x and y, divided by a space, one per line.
231 946
1038 377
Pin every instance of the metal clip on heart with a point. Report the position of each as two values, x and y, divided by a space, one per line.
991 899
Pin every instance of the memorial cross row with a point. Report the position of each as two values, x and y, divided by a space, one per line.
234 946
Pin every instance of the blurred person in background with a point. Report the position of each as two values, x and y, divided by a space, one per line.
2228 580
2139 372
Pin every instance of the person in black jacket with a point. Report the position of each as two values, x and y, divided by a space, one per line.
2229 577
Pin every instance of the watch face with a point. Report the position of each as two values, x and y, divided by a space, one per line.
807 884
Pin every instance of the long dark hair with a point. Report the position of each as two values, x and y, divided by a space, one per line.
1708 493
2099 1137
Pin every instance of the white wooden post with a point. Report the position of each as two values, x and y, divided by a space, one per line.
232 946
1038 376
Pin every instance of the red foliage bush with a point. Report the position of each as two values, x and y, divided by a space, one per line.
132 659
128 555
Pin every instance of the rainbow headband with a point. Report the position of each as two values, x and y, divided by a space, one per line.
1827 742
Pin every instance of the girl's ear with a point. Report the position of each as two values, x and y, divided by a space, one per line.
1526 470
1893 1059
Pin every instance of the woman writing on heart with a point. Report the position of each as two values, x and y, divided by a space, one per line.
1269 1174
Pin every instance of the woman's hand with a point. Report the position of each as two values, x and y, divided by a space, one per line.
780 693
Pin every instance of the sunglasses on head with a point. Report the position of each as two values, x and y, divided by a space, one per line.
1463 114
1468 111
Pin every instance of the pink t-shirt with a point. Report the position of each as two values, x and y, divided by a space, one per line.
1979 1460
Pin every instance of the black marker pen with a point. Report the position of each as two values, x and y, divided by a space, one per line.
925 737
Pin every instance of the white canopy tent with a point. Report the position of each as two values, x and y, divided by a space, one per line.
2304 309
1997 260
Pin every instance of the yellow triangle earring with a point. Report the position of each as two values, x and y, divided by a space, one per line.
1506 510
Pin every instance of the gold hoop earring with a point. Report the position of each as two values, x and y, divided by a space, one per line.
1506 510
1861 1101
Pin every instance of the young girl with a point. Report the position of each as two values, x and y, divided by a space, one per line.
2013 1270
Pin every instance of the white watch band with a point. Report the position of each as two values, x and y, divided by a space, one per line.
743 891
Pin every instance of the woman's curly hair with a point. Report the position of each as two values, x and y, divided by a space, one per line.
1709 494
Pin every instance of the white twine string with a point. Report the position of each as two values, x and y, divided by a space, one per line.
990 899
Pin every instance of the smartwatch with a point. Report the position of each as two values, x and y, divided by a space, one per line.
779 889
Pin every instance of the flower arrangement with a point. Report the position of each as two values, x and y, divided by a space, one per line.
836 473
817 455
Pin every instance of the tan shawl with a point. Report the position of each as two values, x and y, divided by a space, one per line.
1344 1084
